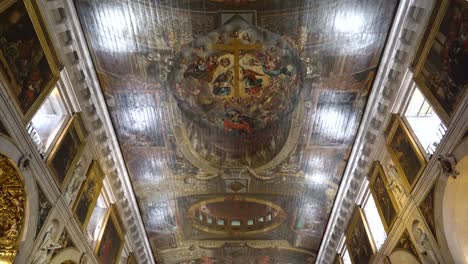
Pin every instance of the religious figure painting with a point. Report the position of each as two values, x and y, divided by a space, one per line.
239 78
405 243
66 152
441 67
358 240
88 194
27 63
384 199
427 210
408 158
110 245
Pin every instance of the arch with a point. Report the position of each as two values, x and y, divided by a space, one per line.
11 151
451 210
68 255
402 256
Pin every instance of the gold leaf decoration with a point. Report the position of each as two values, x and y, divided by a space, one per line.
12 199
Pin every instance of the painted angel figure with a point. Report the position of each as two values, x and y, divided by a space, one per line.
223 83
198 70
252 83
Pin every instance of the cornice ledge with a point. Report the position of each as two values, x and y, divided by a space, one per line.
402 42
65 30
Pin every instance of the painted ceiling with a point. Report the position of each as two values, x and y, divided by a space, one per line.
236 117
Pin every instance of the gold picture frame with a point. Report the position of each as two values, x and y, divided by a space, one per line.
440 69
131 259
106 250
359 242
384 198
28 65
66 152
88 194
405 153
338 259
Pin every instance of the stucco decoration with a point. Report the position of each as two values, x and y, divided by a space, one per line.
48 245
423 245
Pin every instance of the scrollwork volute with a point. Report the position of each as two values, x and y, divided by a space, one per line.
12 197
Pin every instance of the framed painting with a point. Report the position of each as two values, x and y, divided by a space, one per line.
427 210
358 240
409 160
88 194
111 242
337 259
384 199
405 243
440 66
67 150
28 64
131 259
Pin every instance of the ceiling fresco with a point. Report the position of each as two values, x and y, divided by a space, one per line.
238 85
236 126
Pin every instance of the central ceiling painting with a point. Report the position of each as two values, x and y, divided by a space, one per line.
236 125
238 85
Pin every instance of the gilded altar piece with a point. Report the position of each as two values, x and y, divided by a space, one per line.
12 197
28 65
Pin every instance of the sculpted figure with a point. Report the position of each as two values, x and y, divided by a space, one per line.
423 244
75 183
47 246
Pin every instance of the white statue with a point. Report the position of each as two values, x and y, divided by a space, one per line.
75 184
395 185
423 244
47 246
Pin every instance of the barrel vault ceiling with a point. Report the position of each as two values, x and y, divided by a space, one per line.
236 118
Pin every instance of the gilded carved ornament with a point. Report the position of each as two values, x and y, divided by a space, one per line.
12 197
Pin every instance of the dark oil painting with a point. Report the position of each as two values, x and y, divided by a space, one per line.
427 210
24 62
88 194
65 154
111 243
441 71
384 200
360 247
405 153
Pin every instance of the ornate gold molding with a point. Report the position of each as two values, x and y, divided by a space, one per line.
12 197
